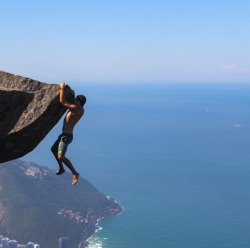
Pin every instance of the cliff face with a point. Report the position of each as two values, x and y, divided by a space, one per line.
29 109
38 206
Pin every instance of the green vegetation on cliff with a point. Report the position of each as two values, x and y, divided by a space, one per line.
36 205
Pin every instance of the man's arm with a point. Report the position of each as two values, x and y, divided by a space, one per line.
63 100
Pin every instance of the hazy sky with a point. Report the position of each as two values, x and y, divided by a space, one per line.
126 40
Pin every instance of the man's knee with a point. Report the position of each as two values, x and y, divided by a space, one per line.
60 157
52 149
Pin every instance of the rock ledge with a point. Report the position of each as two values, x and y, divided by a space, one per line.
29 109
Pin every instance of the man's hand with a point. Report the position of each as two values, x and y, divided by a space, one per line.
62 85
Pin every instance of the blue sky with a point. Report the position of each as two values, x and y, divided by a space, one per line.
126 41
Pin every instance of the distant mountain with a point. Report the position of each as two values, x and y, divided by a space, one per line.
37 205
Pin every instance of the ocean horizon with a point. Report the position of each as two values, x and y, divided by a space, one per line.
175 156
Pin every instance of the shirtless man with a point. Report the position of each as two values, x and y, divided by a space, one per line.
59 148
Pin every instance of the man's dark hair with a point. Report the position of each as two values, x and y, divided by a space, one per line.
82 99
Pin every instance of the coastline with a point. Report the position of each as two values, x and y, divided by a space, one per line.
93 219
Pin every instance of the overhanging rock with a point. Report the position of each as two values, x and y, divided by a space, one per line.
29 109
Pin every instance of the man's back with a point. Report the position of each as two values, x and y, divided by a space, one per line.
71 118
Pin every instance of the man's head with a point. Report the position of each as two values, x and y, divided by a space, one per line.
81 99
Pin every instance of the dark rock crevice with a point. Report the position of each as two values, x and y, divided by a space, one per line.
9 113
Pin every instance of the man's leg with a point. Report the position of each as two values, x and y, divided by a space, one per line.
62 149
67 162
54 150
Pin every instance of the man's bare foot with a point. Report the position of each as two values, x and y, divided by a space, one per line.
60 172
75 179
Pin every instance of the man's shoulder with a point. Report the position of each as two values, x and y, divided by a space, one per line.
77 110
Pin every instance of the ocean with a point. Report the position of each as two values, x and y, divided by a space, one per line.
175 156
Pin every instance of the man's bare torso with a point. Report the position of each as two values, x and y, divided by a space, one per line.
71 118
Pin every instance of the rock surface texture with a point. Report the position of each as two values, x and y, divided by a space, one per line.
29 109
